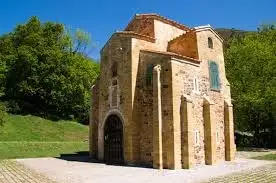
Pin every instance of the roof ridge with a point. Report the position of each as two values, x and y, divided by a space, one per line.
156 15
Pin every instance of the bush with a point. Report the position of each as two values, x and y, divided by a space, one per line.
3 114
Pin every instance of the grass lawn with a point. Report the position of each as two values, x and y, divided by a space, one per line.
267 157
10 150
31 136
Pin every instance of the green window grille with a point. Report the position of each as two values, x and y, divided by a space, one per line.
149 75
214 75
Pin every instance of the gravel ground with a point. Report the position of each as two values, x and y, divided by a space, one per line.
81 172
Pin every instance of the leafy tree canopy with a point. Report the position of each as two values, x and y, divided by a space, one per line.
42 74
251 70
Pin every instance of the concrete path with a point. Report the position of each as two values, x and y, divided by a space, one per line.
64 171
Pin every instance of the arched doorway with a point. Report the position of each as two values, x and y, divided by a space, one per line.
113 140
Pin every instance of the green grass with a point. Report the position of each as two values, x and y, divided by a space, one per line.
267 157
10 150
31 136
32 128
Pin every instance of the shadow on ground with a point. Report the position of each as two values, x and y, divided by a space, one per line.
83 156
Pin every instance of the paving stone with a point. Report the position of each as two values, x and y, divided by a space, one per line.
262 174
13 172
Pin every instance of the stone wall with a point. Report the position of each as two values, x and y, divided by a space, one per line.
186 44
183 76
177 77
118 49
165 33
143 99
214 54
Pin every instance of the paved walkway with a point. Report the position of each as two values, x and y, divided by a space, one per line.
13 172
242 170
263 174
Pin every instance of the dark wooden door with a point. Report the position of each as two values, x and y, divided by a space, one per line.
113 140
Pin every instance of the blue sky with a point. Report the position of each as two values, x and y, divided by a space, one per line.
102 17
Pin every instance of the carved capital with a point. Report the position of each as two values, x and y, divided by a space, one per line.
227 103
157 68
186 98
207 100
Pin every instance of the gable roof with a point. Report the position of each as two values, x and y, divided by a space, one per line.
156 16
208 27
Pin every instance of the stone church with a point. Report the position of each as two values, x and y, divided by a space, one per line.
162 98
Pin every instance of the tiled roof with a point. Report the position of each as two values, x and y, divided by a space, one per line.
182 57
160 18
136 35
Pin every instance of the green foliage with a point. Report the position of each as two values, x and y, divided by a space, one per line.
42 75
251 70
3 114
32 128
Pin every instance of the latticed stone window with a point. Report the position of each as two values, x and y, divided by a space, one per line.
114 94
210 43
214 75
149 74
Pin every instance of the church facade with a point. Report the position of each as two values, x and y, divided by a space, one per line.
162 98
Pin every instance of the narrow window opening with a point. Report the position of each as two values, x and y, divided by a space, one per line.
218 137
114 69
196 138
149 75
210 43
195 85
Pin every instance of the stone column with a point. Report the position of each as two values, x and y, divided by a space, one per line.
157 120
230 147
209 131
91 127
187 150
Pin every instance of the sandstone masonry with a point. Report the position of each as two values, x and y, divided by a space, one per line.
164 86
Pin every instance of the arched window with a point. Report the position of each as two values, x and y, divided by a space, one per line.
214 75
210 43
114 69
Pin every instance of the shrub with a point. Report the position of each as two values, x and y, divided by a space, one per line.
3 114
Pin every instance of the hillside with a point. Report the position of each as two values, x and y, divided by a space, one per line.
228 34
31 136
32 128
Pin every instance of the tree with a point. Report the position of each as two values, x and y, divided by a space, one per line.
251 70
79 41
42 75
